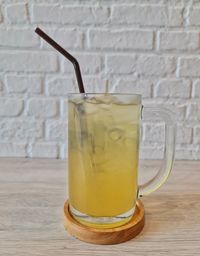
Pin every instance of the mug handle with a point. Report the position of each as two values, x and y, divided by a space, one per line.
169 149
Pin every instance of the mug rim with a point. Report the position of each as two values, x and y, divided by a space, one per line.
101 93
131 97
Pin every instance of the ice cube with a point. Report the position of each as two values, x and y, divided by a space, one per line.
80 109
104 106
76 99
116 134
90 108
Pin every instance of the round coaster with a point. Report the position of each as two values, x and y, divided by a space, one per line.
109 235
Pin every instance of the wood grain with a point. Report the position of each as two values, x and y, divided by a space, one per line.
32 193
106 236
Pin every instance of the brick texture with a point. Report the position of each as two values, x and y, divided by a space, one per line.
28 61
20 130
194 19
155 65
18 38
56 130
21 84
16 13
13 149
179 40
1 85
1 17
144 15
80 15
120 64
47 150
196 89
42 108
145 47
60 86
120 39
11 107
142 87
173 88
189 67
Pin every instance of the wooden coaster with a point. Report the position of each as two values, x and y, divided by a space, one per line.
109 235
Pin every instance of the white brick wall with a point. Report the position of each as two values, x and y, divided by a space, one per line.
28 61
148 47
120 39
16 13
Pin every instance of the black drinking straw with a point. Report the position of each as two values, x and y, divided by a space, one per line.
66 54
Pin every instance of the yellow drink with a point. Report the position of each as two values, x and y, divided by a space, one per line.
103 156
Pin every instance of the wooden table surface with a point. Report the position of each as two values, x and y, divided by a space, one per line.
32 194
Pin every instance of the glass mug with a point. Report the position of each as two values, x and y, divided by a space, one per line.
103 155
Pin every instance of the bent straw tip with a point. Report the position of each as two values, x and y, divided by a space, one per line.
66 54
37 30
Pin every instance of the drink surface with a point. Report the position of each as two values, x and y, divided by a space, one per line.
103 155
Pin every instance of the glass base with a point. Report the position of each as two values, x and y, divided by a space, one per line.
102 222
